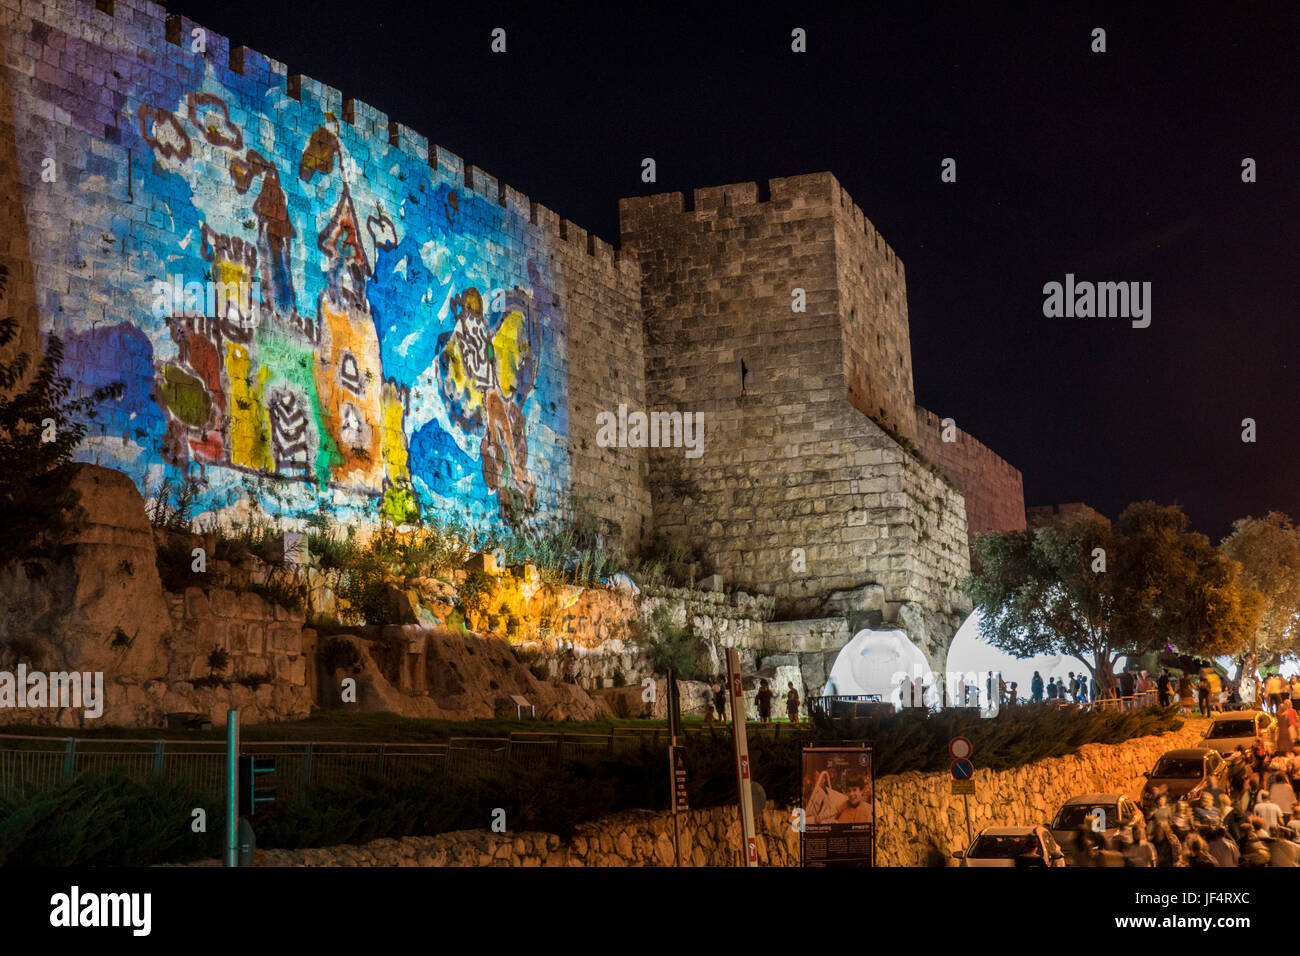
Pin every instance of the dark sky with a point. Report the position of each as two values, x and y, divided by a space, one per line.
1122 166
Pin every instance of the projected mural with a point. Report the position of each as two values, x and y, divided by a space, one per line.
325 312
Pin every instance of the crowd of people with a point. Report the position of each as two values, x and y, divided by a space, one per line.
1252 819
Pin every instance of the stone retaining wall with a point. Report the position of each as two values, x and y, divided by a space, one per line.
909 807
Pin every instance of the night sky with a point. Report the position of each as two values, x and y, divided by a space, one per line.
1122 166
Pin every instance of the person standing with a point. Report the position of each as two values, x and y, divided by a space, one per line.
1295 692
1051 688
1185 694
792 702
1286 727
1162 687
720 699
1203 696
1273 688
764 701
1036 688
1011 699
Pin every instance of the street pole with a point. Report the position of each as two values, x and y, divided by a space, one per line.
232 787
969 838
749 848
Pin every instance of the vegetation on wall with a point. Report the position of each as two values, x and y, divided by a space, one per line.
40 428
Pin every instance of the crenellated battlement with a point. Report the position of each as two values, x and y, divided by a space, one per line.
811 194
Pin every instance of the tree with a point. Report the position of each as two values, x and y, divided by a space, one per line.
1268 549
1098 592
39 431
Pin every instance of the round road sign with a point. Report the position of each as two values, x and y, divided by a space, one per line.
962 770
960 748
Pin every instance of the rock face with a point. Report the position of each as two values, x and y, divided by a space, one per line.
420 672
101 607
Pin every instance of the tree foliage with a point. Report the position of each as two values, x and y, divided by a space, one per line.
40 428
1268 549
1097 592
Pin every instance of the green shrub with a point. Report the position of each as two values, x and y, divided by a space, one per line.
108 820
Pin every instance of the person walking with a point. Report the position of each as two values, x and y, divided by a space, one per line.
792 702
1267 810
1036 688
1162 687
1196 853
1137 850
720 699
1234 821
1169 850
1223 848
764 701
1281 793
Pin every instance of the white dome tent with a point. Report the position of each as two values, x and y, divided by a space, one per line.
970 652
875 662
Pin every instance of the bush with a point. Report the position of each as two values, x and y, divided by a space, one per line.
35 496
670 646
108 820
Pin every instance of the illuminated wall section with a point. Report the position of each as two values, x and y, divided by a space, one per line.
310 308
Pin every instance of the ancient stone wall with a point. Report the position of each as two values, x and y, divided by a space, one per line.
873 309
307 303
994 492
789 459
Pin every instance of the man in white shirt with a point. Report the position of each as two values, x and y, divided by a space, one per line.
1268 811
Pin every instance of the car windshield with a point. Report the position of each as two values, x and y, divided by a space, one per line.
1179 767
1232 728
1003 847
1077 814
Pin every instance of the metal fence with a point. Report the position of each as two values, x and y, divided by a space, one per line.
32 763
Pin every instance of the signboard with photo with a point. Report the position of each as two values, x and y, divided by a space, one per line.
839 802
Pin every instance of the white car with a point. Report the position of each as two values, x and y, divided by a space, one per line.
1002 846
1240 728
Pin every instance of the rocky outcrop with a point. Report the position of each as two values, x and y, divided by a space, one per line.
100 606
421 672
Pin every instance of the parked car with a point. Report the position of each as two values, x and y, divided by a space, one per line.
1002 846
1120 814
1184 775
1240 728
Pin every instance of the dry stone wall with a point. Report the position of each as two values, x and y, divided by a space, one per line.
910 808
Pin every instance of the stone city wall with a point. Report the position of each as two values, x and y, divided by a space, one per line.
309 306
